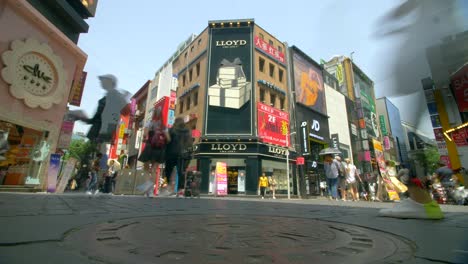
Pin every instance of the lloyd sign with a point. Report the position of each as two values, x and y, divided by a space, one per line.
231 43
228 147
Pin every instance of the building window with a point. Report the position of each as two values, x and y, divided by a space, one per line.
280 49
199 42
198 69
282 103
270 42
190 73
181 109
262 95
260 35
272 70
273 99
183 80
191 49
195 99
185 55
188 103
261 64
280 75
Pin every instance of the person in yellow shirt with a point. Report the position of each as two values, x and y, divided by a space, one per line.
263 184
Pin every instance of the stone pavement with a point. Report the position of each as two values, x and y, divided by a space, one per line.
75 228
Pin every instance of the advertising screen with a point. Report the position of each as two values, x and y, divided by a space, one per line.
229 104
273 125
308 82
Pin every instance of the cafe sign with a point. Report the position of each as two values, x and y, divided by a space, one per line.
35 74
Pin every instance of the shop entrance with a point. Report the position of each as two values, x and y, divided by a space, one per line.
235 175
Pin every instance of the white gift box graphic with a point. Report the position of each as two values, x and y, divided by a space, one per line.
232 89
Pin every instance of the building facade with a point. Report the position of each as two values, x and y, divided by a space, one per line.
40 64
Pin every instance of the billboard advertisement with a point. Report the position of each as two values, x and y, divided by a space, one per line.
308 83
273 125
459 84
229 107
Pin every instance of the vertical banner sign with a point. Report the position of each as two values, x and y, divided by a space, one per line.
66 174
241 181
221 179
379 157
273 125
171 109
305 144
229 105
335 140
76 92
383 127
52 173
65 134
459 84
161 108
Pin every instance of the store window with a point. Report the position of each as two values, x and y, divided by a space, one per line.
261 64
22 153
277 168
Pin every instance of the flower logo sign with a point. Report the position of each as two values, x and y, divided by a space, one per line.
34 73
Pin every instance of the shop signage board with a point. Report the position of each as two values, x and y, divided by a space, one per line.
52 173
383 127
65 175
300 161
268 49
460 137
335 140
76 92
459 84
379 157
65 134
273 125
221 179
305 143
439 134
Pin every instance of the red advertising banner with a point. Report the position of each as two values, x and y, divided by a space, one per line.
446 160
273 125
263 45
77 90
459 82
460 137
161 107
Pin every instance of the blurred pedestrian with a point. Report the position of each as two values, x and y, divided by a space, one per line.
341 177
273 183
331 167
94 173
180 142
111 177
351 175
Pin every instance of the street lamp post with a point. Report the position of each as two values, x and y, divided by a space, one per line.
287 163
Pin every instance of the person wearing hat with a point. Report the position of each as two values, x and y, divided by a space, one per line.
342 184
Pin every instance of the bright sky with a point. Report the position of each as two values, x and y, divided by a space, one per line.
132 39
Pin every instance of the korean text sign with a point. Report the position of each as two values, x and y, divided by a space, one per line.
273 125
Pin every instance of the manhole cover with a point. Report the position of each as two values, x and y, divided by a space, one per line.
236 239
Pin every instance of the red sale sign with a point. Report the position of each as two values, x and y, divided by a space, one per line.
273 125
268 49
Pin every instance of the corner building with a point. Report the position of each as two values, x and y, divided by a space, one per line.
232 91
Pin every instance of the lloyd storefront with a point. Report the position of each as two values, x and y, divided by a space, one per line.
245 161
39 64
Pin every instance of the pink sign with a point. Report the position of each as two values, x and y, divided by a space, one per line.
460 137
277 55
386 143
221 179
439 134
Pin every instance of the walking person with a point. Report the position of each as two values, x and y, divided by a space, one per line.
341 177
263 184
154 152
273 183
331 173
112 173
95 168
351 174
180 141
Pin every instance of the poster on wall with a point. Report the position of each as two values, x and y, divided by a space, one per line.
66 174
308 82
380 159
221 179
241 181
273 125
52 173
229 107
